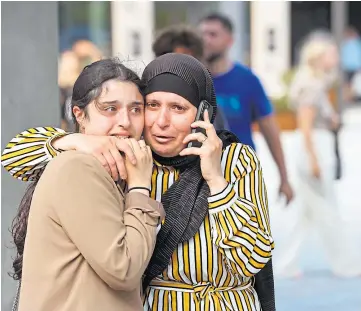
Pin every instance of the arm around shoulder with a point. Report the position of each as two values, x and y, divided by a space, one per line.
26 155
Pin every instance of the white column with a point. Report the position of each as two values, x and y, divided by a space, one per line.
338 24
270 43
132 30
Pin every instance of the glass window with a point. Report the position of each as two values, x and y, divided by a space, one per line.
85 20
84 37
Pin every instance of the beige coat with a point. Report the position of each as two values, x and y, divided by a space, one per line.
87 246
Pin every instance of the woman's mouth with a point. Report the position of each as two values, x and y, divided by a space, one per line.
163 139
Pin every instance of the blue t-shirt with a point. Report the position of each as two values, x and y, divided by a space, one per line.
242 99
351 55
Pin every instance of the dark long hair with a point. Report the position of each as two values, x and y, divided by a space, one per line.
87 88
19 228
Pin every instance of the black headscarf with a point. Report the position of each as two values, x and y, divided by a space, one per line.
185 202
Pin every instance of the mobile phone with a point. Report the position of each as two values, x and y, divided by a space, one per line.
204 105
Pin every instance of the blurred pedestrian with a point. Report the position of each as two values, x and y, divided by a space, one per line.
185 40
240 93
351 56
69 69
87 52
351 63
315 158
178 39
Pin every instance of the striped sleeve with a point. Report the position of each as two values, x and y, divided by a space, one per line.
239 214
29 152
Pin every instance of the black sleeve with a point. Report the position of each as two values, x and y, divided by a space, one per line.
265 287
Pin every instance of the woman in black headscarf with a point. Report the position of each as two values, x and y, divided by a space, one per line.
216 236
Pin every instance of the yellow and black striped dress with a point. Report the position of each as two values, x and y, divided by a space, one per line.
212 271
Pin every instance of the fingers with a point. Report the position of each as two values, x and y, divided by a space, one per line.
287 195
204 124
149 152
195 136
125 146
103 162
139 147
135 146
206 116
142 145
119 161
191 151
111 164
145 149
210 130
209 145
288 201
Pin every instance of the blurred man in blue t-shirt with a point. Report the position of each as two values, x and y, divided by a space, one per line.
240 93
351 53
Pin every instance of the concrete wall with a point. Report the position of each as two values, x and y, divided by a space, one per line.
29 97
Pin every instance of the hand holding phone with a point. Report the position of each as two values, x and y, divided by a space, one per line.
208 147
204 105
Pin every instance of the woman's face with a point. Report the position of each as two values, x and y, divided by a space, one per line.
168 119
119 111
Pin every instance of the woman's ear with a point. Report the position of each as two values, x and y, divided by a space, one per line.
79 115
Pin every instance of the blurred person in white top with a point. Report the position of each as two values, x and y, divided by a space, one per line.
315 158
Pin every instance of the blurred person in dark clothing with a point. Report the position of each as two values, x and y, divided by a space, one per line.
240 93
185 40
351 62
68 71
178 39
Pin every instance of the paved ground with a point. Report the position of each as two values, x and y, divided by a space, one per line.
318 290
